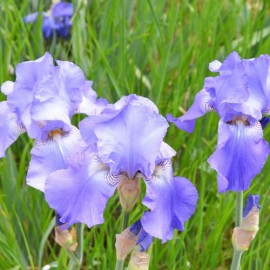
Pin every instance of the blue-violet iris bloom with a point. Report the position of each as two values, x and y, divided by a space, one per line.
125 142
55 21
240 95
41 102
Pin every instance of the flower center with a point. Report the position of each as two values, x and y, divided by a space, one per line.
56 132
239 120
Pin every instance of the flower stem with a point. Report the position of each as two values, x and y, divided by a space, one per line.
79 233
120 263
239 208
238 219
236 260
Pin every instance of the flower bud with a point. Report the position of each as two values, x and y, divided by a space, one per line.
243 235
125 242
129 192
134 236
66 238
139 261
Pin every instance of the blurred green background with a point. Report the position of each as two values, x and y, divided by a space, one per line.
154 48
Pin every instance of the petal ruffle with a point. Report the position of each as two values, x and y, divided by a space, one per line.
80 193
228 91
58 95
240 155
227 66
10 127
201 105
165 152
257 73
51 155
172 201
27 75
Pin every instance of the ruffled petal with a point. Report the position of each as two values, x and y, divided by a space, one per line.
171 200
240 155
51 155
58 95
165 152
257 73
10 127
201 105
80 193
27 75
228 65
228 91
130 141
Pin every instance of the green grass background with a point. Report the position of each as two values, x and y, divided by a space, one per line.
155 48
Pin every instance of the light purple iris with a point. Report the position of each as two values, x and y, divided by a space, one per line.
125 142
240 95
41 102
57 20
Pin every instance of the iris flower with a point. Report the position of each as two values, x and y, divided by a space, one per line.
57 20
41 102
240 95
125 143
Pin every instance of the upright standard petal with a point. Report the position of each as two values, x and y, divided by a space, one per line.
240 155
130 141
80 193
172 201
27 75
227 66
201 105
257 74
58 95
52 154
10 127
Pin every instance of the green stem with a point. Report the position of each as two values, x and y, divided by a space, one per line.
239 208
236 260
238 219
120 263
79 233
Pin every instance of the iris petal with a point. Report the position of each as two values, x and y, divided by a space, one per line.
131 140
62 9
10 127
80 193
27 75
58 95
201 105
240 155
172 200
52 154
